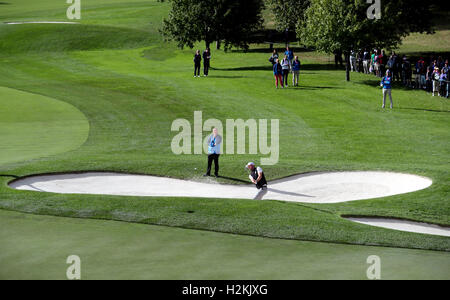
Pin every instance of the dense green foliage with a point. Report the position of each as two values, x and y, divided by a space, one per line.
331 25
230 21
287 13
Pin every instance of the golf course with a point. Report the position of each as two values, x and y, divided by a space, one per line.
99 95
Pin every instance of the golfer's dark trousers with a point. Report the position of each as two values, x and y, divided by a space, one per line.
211 158
206 67
197 69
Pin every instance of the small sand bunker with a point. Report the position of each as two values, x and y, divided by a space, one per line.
404 225
310 188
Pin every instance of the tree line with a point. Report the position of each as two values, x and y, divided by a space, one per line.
328 26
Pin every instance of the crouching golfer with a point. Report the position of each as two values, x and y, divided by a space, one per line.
257 177
214 141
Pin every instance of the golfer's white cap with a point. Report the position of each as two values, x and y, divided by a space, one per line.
250 164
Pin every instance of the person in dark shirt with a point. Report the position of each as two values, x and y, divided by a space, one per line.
274 57
197 63
258 178
295 71
446 70
277 72
206 61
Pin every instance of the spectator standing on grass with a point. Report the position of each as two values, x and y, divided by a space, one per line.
290 55
422 73
273 58
206 61
214 141
277 72
366 61
352 61
377 63
386 83
396 70
443 82
285 66
372 61
446 70
406 71
359 61
436 76
433 65
416 76
429 79
390 63
197 63
295 71
382 59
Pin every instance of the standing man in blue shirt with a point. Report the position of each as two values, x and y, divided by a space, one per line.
214 141
295 71
387 88
290 55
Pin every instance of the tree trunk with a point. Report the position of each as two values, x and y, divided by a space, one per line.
217 45
287 37
347 65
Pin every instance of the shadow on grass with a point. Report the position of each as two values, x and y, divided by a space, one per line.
424 109
311 88
7 175
4 3
226 77
268 67
269 52
254 68
375 82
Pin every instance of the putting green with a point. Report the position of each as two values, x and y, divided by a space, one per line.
33 126
36 247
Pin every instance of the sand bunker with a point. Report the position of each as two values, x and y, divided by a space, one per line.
404 225
310 188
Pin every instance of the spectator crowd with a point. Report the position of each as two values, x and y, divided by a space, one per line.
282 68
431 75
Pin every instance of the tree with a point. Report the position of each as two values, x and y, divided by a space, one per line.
343 25
287 13
232 21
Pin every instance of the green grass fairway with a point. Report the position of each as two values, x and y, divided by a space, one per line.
32 126
101 96
38 247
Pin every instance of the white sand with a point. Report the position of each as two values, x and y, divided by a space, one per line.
404 225
311 188
40 22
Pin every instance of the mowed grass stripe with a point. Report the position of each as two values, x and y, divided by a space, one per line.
34 126
38 247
